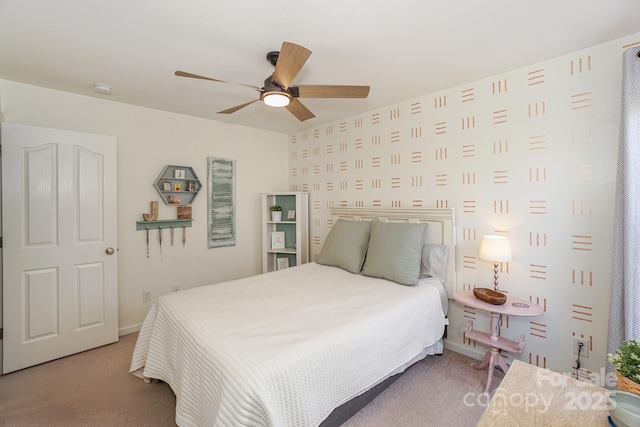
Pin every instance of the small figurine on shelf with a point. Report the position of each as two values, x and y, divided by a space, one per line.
173 200
191 186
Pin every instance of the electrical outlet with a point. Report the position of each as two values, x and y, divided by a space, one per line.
146 296
585 346
176 288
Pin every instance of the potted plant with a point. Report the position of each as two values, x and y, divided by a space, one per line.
626 360
276 213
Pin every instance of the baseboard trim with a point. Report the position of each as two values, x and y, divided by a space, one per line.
474 353
129 329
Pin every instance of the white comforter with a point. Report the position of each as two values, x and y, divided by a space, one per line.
283 348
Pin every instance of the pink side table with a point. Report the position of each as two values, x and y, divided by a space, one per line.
512 307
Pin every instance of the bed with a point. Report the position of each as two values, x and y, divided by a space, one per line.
287 348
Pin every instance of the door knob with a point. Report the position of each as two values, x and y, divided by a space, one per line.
109 251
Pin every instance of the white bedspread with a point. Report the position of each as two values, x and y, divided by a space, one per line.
283 348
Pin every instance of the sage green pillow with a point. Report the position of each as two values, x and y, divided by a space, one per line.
395 252
346 245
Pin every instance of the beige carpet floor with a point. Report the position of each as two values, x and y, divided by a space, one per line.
93 388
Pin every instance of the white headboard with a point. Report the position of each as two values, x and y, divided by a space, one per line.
441 227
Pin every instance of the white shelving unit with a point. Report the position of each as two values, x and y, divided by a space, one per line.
296 231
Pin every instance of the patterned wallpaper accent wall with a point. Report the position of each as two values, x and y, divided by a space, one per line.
530 154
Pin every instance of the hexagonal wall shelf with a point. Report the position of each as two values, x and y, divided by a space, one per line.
177 185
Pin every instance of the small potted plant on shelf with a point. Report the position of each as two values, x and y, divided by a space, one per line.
626 360
276 213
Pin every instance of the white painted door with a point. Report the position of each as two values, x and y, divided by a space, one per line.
59 221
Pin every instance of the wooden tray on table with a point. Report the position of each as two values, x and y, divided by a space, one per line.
490 296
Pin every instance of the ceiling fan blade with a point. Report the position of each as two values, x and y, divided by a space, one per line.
237 107
195 76
290 60
301 112
331 91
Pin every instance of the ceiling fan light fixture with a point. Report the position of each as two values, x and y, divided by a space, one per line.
276 99
278 90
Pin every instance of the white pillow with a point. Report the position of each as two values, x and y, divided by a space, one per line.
434 261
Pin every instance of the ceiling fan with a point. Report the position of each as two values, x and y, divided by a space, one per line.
278 91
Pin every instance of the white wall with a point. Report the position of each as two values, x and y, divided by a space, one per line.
529 153
147 141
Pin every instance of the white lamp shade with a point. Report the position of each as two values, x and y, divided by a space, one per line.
495 248
276 99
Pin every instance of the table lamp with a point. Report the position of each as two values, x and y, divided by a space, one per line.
497 249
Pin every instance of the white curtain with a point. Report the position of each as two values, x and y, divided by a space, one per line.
624 318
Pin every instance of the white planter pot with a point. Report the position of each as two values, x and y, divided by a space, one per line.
276 216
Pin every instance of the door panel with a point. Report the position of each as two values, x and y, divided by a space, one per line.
41 303
89 193
91 301
59 216
41 201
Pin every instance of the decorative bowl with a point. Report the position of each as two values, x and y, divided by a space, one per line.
625 408
490 296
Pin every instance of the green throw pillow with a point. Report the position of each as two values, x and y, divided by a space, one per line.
395 252
346 245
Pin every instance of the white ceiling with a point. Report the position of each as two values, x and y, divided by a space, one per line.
402 49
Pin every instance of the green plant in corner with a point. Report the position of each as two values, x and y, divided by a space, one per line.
627 360
276 208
